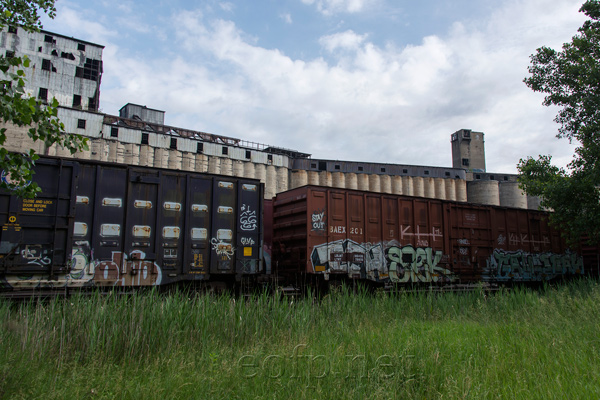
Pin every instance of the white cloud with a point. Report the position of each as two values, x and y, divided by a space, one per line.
329 7
345 40
286 17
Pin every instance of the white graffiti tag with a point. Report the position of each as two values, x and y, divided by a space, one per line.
247 241
248 219
222 248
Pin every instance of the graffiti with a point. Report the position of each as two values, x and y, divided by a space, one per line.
378 262
521 265
501 240
248 219
522 239
122 270
222 248
464 242
422 238
247 241
318 221
79 262
409 264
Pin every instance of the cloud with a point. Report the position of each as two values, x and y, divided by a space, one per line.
329 7
286 17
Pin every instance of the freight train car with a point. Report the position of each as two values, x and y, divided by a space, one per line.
99 224
348 234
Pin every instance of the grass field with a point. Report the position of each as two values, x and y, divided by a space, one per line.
518 344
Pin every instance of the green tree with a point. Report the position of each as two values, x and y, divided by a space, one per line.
17 109
570 78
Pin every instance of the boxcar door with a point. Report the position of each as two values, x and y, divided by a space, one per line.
140 242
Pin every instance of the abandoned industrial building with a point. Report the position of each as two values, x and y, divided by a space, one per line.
70 70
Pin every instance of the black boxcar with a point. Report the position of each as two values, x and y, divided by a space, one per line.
99 224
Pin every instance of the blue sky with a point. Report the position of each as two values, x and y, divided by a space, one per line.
364 80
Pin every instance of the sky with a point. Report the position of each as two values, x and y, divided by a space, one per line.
384 81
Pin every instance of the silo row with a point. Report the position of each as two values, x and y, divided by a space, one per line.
438 188
505 194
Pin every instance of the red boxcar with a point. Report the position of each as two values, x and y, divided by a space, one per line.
399 239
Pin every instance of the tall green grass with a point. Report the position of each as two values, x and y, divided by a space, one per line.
509 344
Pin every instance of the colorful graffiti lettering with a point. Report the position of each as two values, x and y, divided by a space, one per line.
248 219
521 265
409 264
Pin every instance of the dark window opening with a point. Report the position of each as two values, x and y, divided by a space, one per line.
114 132
270 158
40 49
49 39
173 144
12 29
313 165
506 178
248 154
81 123
491 177
465 162
90 70
360 168
92 104
43 94
382 169
224 150
144 138
405 171
69 56
199 147
81 46
322 166
337 166
447 173
10 54
54 52
426 172
76 101
477 176
46 65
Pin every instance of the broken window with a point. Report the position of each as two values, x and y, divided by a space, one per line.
382 169
70 56
46 65
81 123
76 101
173 145
92 104
81 46
248 154
114 132
360 168
426 172
12 29
199 147
144 138
224 151
43 94
49 39
465 162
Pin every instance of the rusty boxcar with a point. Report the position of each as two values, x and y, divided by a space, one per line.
100 224
350 234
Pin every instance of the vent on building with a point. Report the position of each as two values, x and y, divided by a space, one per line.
76 101
43 94
199 147
114 132
81 46
46 65
144 138
12 29
173 145
224 150
81 123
